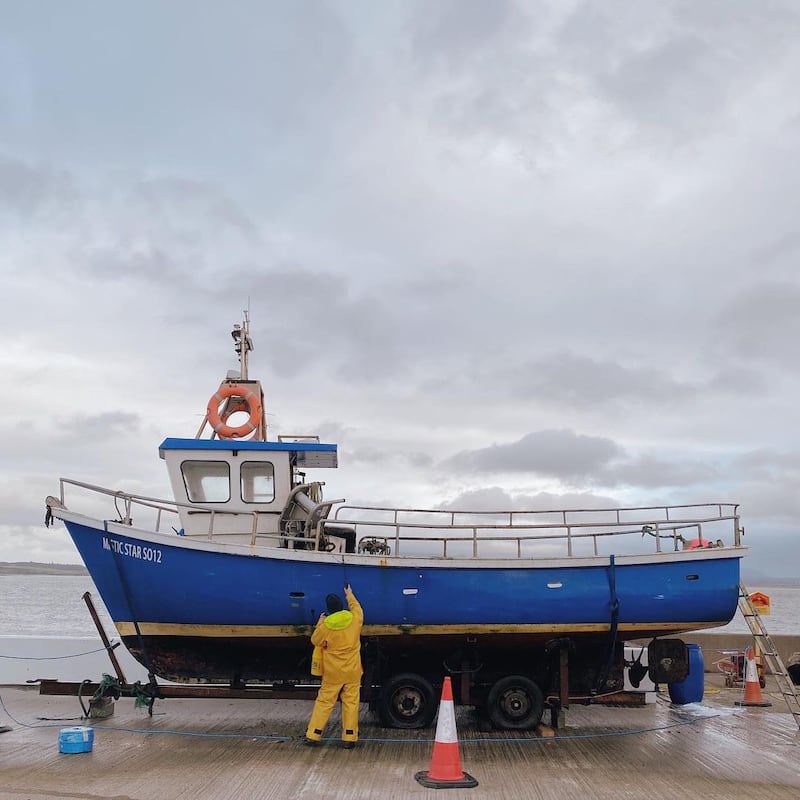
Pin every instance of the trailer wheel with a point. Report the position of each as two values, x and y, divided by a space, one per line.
407 701
514 703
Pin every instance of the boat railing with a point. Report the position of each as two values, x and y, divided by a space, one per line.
124 502
580 532
166 517
166 512
450 533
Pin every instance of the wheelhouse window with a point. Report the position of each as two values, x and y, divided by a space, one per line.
207 481
258 482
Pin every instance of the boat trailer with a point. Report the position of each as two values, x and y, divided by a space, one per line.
102 694
111 688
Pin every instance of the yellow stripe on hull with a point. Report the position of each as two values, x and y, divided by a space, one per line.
128 629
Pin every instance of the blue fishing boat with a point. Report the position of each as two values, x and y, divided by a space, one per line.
224 582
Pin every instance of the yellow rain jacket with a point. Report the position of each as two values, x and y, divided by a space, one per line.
339 636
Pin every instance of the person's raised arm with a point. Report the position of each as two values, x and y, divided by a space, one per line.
353 604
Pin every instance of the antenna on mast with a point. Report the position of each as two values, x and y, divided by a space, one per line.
242 343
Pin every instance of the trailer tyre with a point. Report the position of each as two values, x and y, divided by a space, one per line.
407 701
514 703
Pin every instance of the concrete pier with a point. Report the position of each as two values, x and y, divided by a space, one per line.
252 750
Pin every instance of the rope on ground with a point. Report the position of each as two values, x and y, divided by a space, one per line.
165 731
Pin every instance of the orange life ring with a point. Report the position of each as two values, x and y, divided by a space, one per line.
223 430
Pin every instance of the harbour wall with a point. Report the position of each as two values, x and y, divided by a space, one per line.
714 645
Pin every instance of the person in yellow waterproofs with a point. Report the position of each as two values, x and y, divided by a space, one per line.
338 634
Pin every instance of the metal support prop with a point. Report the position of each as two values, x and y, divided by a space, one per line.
87 598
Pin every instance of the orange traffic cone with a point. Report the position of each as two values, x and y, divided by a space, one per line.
752 685
445 771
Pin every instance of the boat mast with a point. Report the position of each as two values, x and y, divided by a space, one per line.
243 344
238 400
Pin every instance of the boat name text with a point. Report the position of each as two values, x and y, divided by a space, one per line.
132 550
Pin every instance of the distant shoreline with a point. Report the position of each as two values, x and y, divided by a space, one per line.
36 568
778 583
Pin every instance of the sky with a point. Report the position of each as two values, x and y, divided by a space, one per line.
526 254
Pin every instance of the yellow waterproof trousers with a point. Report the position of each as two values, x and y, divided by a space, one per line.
326 700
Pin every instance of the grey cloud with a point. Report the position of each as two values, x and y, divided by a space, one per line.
153 93
558 453
23 498
379 457
738 380
177 200
650 472
552 81
770 504
107 424
767 465
547 501
360 339
584 382
779 250
146 265
762 323
30 191
773 552
489 77
371 333
689 72
34 543
585 460
464 29
491 498
675 84
151 234
495 499
448 284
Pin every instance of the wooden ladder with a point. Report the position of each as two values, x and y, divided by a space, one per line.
769 652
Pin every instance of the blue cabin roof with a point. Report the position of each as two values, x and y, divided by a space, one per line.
312 454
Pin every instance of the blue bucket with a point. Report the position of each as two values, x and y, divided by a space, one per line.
690 689
76 740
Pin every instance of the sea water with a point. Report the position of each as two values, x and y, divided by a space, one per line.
783 618
52 605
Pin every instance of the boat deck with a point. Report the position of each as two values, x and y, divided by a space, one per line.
252 750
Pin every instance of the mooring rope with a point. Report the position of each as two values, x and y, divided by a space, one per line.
57 658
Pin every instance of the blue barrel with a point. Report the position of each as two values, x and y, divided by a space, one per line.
690 689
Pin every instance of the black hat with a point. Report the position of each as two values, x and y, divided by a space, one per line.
334 603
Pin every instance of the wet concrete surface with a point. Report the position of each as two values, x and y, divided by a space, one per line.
253 750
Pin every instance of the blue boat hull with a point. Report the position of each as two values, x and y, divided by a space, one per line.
194 611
